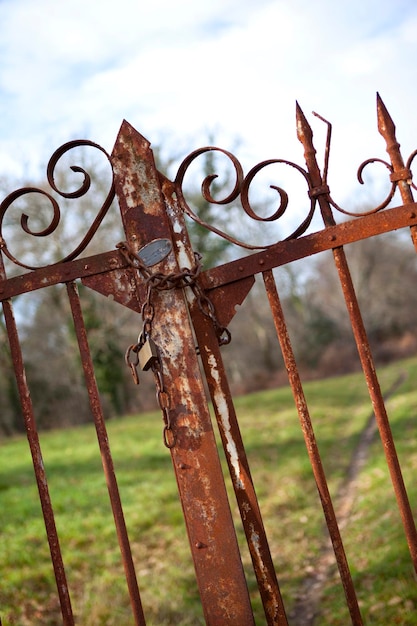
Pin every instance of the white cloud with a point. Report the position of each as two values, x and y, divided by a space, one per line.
186 68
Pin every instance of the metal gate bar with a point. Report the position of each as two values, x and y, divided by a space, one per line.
152 209
282 253
228 425
378 403
319 186
35 449
241 478
212 537
106 457
311 445
401 172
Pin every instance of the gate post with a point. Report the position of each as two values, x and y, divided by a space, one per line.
212 537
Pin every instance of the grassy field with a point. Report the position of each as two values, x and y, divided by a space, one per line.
373 536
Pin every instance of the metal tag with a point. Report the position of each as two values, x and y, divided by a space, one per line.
155 251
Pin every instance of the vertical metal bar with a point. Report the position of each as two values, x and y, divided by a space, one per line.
212 537
230 432
400 173
35 449
305 135
106 457
311 445
240 472
378 404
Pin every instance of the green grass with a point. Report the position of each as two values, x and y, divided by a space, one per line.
374 539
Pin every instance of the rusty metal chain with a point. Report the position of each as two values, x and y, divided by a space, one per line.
145 347
158 280
206 306
153 362
164 404
184 278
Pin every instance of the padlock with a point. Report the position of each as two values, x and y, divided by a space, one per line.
148 354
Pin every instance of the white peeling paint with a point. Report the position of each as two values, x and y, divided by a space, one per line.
223 410
183 256
177 226
256 545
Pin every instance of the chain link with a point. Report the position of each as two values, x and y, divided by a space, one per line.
164 404
207 308
162 282
157 281
185 278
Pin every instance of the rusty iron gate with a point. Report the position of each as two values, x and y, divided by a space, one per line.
155 272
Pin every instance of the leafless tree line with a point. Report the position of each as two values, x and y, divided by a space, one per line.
384 271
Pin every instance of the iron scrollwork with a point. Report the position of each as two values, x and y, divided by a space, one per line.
316 181
56 212
241 188
399 173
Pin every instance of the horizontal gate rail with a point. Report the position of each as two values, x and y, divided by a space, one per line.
331 237
277 255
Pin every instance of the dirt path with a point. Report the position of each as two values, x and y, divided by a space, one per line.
307 604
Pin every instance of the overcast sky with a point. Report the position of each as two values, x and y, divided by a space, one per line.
179 71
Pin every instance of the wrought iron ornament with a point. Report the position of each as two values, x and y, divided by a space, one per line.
400 175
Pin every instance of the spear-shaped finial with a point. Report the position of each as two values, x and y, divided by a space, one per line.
304 131
401 174
319 188
386 125
305 135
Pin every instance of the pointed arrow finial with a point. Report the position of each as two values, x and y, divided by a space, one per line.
386 125
304 131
